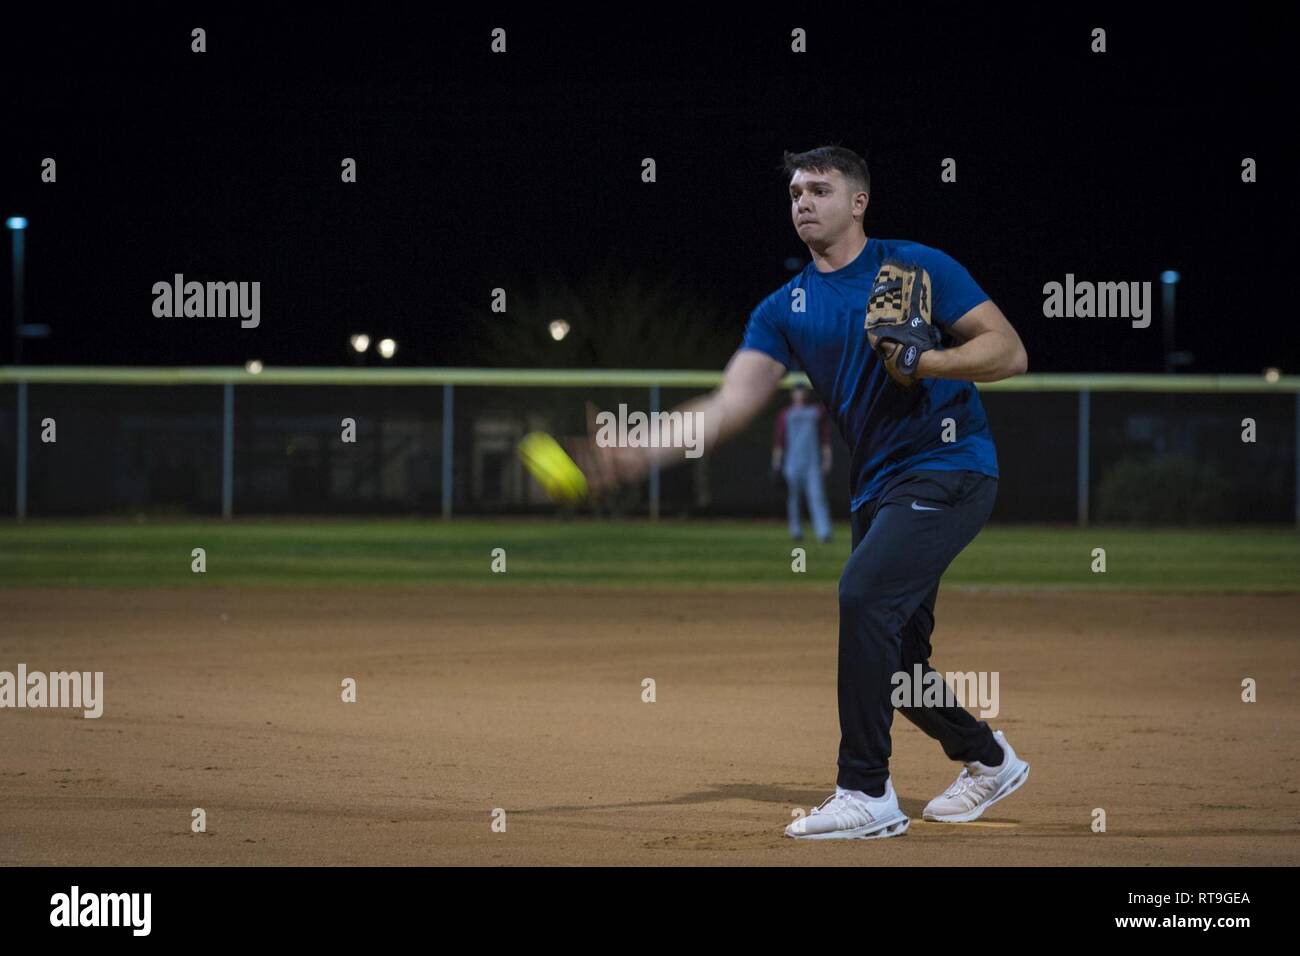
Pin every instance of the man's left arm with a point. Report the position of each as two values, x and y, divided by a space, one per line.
990 350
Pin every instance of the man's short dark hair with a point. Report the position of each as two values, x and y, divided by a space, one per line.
825 158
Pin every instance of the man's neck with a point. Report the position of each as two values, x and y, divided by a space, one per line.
840 254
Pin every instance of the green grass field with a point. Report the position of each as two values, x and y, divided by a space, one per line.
695 553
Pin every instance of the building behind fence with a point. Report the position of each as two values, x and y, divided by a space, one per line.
441 442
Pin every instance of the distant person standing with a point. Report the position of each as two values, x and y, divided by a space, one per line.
801 452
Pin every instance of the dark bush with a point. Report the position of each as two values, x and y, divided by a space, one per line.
1164 490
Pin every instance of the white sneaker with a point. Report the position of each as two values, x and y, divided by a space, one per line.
845 816
979 787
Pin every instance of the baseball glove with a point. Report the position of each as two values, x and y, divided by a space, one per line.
898 318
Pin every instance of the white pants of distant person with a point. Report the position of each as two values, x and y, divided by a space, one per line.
803 477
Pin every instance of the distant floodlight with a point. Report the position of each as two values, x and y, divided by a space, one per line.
360 342
387 348
16 222
1271 375
253 366
559 329
1169 276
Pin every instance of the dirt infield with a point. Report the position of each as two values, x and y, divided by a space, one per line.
530 701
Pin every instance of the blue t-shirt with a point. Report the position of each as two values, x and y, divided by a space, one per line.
890 429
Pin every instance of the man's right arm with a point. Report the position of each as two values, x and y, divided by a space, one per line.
749 381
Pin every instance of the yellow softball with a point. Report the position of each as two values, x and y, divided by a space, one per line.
554 470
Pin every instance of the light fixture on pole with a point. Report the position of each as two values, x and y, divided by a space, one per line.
358 344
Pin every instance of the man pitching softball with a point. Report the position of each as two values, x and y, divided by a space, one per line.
891 334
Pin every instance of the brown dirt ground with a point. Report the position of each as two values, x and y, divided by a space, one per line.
530 700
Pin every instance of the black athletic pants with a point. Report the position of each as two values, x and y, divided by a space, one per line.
903 541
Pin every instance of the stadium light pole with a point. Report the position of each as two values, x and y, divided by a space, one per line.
1168 283
17 226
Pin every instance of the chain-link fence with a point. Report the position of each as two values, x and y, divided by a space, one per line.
430 442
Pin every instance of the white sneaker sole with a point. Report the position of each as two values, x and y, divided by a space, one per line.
896 826
1006 790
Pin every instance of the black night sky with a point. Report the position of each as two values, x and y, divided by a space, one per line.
478 170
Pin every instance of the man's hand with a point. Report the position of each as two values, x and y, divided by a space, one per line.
990 352
608 467
749 381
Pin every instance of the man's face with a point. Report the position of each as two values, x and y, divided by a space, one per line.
821 205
